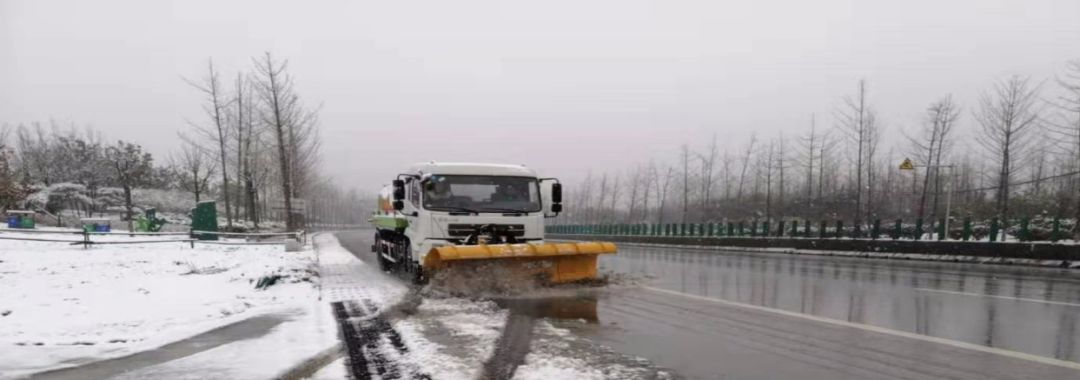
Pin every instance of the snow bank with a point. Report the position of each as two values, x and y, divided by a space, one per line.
64 305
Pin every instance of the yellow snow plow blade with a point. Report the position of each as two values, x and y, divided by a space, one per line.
557 262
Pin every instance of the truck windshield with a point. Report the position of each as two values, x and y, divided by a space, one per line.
481 193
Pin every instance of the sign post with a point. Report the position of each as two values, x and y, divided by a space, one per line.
908 165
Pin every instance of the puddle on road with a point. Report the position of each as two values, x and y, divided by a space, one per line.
582 307
543 331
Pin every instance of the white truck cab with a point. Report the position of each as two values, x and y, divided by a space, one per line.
436 204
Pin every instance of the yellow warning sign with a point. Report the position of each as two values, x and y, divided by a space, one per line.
907 165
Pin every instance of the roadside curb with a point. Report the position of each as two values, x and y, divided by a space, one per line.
311 365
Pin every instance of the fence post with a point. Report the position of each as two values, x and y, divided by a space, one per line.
1025 229
765 229
839 229
942 234
875 233
795 228
918 229
898 229
742 228
807 229
966 235
1056 234
731 229
780 228
824 227
993 230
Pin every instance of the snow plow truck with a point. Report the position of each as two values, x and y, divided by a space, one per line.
438 215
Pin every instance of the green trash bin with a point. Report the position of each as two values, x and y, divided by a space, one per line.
204 218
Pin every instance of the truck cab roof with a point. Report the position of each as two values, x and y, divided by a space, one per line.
469 168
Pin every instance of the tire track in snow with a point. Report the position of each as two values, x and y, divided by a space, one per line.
511 348
363 330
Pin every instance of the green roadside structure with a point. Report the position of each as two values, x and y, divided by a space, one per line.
204 218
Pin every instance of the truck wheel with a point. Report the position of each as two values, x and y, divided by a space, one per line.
380 248
416 273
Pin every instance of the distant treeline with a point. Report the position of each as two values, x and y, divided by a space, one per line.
1013 152
256 143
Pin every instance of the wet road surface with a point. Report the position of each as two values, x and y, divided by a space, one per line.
733 315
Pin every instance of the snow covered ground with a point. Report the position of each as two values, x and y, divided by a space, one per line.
63 305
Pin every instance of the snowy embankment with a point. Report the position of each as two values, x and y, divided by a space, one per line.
63 305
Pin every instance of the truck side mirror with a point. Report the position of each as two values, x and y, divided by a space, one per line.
553 193
399 191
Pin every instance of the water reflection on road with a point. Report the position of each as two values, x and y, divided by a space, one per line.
1031 310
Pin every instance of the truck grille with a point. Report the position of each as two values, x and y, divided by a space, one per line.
516 230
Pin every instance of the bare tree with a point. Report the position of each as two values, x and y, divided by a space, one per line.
708 170
1067 127
218 131
195 168
646 181
663 184
635 182
857 121
780 166
1007 114
600 214
293 127
768 165
810 144
686 182
745 165
932 144
614 197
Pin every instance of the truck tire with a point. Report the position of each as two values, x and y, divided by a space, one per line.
380 247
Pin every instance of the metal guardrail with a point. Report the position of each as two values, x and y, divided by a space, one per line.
86 241
1014 250
300 236
1021 229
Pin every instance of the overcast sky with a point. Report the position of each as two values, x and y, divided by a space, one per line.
562 86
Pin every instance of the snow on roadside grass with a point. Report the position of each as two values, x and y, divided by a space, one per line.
67 305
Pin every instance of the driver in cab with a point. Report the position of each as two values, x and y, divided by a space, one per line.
438 192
